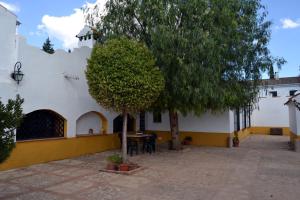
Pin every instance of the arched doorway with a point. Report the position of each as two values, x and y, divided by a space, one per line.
118 124
41 124
91 123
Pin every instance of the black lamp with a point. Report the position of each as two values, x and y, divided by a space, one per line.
17 75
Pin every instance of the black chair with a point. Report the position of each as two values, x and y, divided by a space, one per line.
132 145
149 144
153 142
147 147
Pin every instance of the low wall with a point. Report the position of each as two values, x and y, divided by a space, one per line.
266 130
198 138
243 134
40 151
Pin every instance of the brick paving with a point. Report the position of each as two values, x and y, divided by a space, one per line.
262 168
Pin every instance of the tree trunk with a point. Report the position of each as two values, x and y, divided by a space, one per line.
124 137
175 145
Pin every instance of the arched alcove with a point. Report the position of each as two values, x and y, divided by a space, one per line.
91 123
41 124
118 124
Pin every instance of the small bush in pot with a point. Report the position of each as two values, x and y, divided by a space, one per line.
113 162
236 141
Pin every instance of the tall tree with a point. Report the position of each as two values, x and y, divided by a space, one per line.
122 77
48 46
211 52
10 118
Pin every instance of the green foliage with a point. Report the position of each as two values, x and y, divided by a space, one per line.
10 118
211 52
115 159
122 75
48 46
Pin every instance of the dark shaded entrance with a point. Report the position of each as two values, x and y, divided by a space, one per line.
41 124
118 124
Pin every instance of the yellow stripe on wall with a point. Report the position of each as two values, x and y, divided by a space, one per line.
198 138
40 151
266 130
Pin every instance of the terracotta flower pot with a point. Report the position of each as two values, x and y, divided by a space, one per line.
111 166
124 167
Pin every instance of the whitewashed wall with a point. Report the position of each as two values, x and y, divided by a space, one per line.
44 85
270 111
8 43
207 122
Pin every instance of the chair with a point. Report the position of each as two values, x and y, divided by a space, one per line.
149 144
132 145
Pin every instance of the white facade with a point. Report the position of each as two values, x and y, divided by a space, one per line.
270 111
51 81
207 122
8 41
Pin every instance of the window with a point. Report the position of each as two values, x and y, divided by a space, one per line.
156 117
41 124
292 92
273 93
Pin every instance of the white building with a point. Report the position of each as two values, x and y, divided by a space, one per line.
270 111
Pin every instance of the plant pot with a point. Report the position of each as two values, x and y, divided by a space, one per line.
111 166
124 167
236 143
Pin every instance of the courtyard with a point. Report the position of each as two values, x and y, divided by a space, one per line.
261 168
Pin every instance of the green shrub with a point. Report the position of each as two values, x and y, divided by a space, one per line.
10 118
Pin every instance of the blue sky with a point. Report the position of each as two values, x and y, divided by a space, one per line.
40 19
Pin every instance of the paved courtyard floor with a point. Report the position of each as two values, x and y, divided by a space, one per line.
262 168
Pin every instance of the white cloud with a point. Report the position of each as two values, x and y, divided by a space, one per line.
289 23
10 7
65 28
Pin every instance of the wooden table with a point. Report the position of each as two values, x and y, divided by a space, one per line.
138 135
139 138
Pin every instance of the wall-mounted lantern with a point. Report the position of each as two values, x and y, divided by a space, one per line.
17 75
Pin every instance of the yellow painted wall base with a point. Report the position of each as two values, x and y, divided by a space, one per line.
266 130
243 134
198 138
41 151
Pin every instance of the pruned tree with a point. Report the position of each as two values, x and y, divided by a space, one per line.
10 118
48 46
211 52
122 77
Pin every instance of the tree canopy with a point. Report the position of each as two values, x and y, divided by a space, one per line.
211 52
48 46
122 76
11 116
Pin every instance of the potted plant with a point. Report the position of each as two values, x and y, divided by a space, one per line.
124 167
113 162
236 141
187 140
